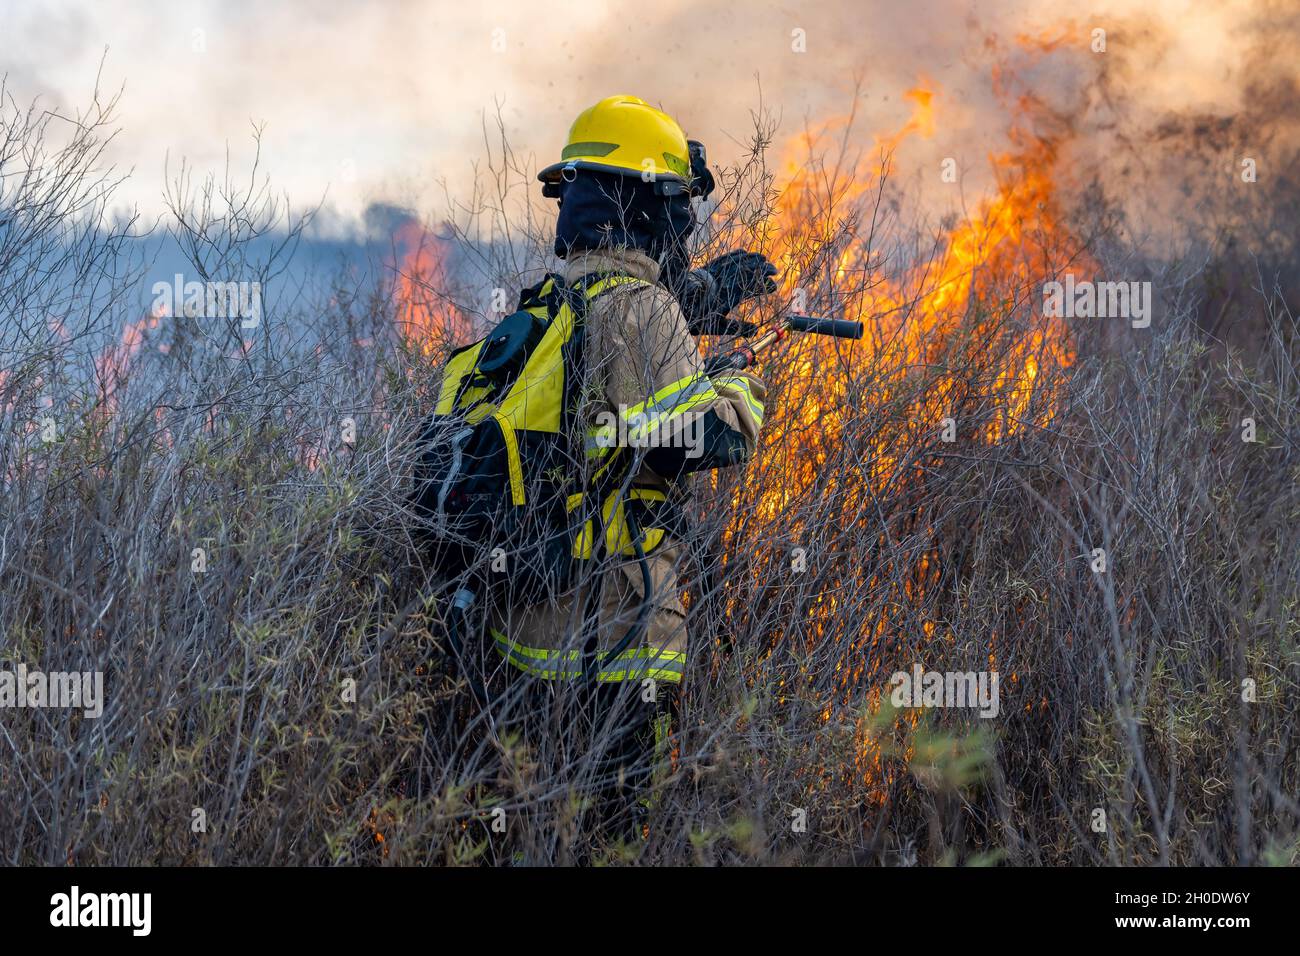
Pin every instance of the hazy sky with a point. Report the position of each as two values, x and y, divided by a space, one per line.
379 101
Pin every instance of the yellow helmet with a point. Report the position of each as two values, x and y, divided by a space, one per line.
625 135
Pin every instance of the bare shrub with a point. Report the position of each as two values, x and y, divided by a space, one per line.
297 700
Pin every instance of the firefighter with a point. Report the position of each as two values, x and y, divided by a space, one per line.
627 182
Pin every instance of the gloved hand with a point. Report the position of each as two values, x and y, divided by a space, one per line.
741 275
711 292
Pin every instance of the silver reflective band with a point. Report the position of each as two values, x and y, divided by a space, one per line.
635 664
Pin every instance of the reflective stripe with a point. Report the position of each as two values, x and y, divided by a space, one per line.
672 398
513 464
639 421
634 664
742 384
596 288
601 441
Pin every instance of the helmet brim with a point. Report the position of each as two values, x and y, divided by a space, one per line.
554 173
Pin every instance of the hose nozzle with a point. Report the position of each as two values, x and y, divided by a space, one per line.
839 328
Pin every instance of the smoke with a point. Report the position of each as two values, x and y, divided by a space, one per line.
388 103
1192 122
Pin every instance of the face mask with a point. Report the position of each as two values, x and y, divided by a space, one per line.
606 210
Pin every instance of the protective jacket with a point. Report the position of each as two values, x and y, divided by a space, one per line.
651 410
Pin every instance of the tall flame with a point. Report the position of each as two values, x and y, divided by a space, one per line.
948 332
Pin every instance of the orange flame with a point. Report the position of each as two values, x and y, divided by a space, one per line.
425 317
987 264
946 334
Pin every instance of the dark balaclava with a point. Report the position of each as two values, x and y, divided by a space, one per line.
601 210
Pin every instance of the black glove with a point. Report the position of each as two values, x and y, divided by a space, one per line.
709 293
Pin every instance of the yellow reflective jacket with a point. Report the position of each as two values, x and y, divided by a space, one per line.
651 390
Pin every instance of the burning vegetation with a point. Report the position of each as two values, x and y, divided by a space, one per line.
977 486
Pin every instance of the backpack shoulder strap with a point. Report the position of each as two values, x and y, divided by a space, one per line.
578 297
591 286
540 294
598 283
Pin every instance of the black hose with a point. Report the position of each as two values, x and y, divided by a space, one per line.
461 602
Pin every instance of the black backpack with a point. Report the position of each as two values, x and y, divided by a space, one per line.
497 485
